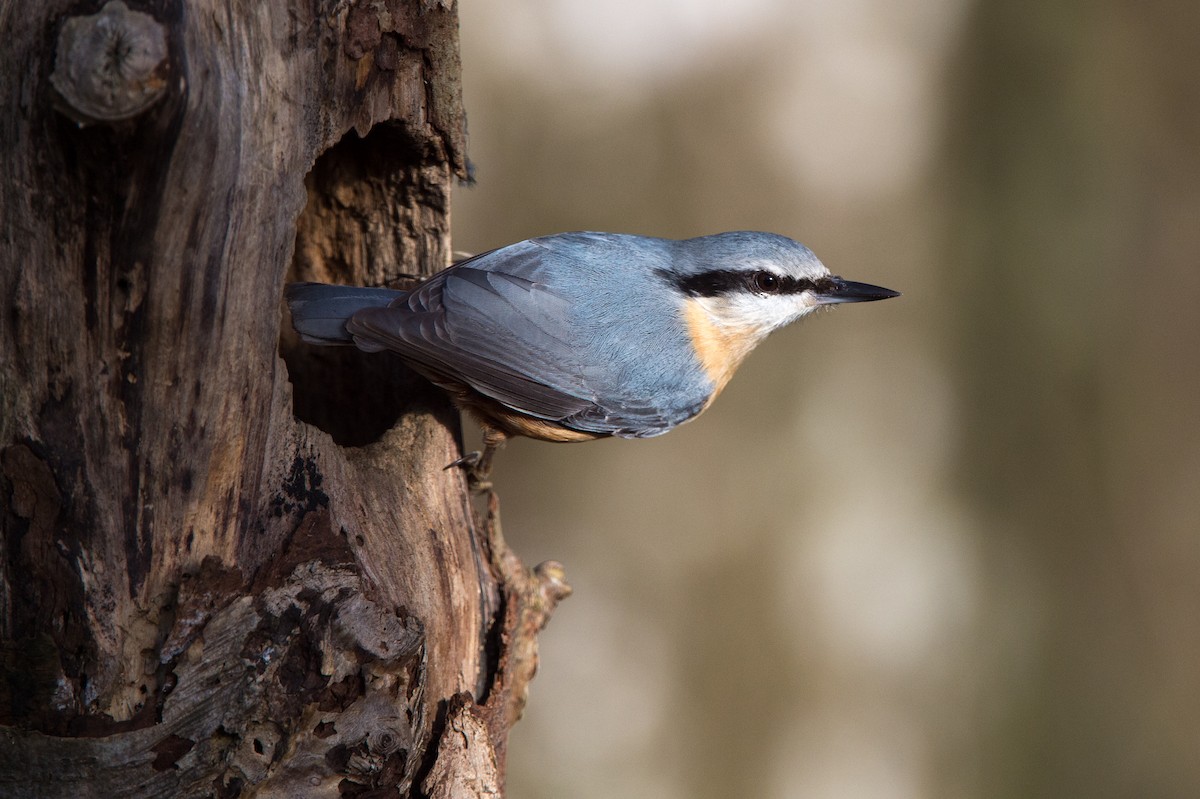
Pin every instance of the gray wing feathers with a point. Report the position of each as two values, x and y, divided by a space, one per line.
498 333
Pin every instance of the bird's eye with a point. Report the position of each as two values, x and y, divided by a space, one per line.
766 282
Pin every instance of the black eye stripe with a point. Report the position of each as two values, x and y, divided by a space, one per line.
705 284
717 282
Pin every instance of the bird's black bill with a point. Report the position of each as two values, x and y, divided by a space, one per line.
849 291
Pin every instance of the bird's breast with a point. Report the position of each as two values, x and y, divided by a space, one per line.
720 348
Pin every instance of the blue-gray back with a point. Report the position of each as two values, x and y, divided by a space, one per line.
579 328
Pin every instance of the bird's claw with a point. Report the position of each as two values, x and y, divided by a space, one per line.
477 470
467 462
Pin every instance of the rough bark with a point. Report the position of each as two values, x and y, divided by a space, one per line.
233 565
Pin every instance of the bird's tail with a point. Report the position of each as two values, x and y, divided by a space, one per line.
320 311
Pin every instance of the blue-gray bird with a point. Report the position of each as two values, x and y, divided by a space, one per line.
579 336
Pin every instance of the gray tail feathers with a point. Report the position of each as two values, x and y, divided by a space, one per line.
320 311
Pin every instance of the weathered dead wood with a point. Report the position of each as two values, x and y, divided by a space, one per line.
224 575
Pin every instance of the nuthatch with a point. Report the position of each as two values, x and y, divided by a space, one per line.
579 336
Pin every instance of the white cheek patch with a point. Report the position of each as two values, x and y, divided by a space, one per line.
759 312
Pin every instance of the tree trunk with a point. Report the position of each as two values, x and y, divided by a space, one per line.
233 565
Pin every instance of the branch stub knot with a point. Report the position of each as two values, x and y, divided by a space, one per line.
110 66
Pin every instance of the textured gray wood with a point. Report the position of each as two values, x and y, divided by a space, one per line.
204 592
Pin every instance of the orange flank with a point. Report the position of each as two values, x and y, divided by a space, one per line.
507 422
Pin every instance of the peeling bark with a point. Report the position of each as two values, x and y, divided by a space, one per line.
233 565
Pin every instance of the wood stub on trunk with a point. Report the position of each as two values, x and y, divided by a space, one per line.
111 65
234 565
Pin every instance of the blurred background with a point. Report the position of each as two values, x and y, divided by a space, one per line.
942 546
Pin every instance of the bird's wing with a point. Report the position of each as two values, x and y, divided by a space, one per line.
508 336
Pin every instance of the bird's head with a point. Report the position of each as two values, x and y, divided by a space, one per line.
760 281
738 287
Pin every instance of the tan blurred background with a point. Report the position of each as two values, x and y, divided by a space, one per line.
942 546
